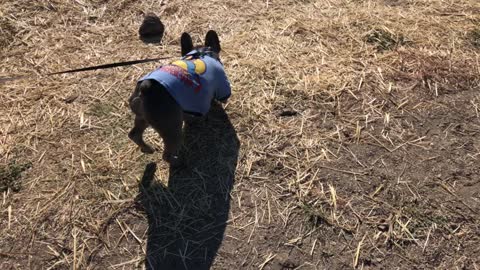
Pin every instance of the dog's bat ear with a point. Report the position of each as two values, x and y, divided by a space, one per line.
187 43
212 41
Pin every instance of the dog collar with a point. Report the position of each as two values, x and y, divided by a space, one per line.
199 53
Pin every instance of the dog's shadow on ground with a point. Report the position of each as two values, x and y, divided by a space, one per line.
187 219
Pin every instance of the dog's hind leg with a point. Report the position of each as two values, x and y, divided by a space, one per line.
136 135
173 142
170 129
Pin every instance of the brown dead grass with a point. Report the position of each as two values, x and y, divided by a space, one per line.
350 157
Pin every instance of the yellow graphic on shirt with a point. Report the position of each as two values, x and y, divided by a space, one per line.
200 66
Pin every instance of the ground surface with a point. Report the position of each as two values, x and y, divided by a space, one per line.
352 139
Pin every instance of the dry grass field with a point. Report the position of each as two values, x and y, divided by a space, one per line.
351 140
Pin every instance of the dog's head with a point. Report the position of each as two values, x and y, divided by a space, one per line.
211 47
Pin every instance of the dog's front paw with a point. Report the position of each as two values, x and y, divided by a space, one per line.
147 149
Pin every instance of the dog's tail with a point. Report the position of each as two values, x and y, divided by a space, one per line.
156 99
143 93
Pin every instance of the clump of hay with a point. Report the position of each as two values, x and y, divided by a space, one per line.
474 37
10 175
385 40
152 29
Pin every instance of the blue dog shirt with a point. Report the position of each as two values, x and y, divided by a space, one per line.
193 82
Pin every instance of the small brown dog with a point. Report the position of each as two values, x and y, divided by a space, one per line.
165 97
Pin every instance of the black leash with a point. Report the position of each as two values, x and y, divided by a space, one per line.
118 64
